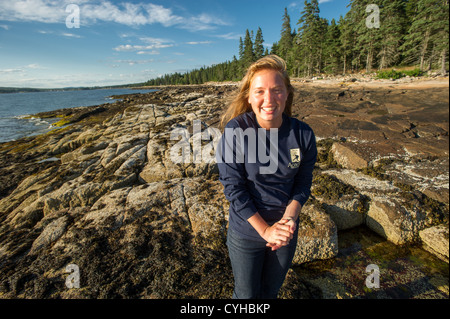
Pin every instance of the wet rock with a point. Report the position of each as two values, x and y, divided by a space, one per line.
435 240
294 287
140 224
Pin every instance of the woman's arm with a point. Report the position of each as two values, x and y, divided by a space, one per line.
303 179
232 175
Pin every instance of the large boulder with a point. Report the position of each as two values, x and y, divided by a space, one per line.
317 236
393 219
346 212
348 157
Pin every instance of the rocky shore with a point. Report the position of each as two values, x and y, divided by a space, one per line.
102 191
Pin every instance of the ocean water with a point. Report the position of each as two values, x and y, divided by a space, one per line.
14 107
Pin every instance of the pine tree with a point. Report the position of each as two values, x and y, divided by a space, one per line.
308 44
346 39
331 49
241 49
241 68
441 37
322 30
367 39
427 37
248 55
258 46
285 43
275 49
418 29
235 72
432 21
392 28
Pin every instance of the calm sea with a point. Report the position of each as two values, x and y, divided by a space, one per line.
15 106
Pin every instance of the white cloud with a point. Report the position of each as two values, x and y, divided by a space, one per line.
92 11
151 40
35 66
22 69
198 42
71 35
124 35
9 71
300 4
230 36
4 26
153 52
159 14
64 34
133 62
31 75
132 48
129 13
129 48
151 47
202 22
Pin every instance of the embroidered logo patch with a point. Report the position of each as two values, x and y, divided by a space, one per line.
295 155
295 158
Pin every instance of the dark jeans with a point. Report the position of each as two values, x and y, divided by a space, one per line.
258 271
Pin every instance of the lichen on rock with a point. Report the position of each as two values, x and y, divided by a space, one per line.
139 225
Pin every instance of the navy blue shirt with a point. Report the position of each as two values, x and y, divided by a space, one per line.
262 170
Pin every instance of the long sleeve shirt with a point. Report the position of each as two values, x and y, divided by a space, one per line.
262 170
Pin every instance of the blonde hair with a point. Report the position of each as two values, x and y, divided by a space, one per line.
240 103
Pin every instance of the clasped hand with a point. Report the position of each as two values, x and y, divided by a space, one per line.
280 233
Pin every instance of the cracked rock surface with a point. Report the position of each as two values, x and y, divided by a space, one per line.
123 192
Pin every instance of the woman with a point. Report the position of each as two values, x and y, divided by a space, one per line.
265 199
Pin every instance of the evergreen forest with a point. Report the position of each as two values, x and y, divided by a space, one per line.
374 35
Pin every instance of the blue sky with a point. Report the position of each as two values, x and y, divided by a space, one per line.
130 41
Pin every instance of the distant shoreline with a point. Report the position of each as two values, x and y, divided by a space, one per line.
344 81
327 80
5 90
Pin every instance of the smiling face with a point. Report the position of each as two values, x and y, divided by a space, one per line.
267 96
